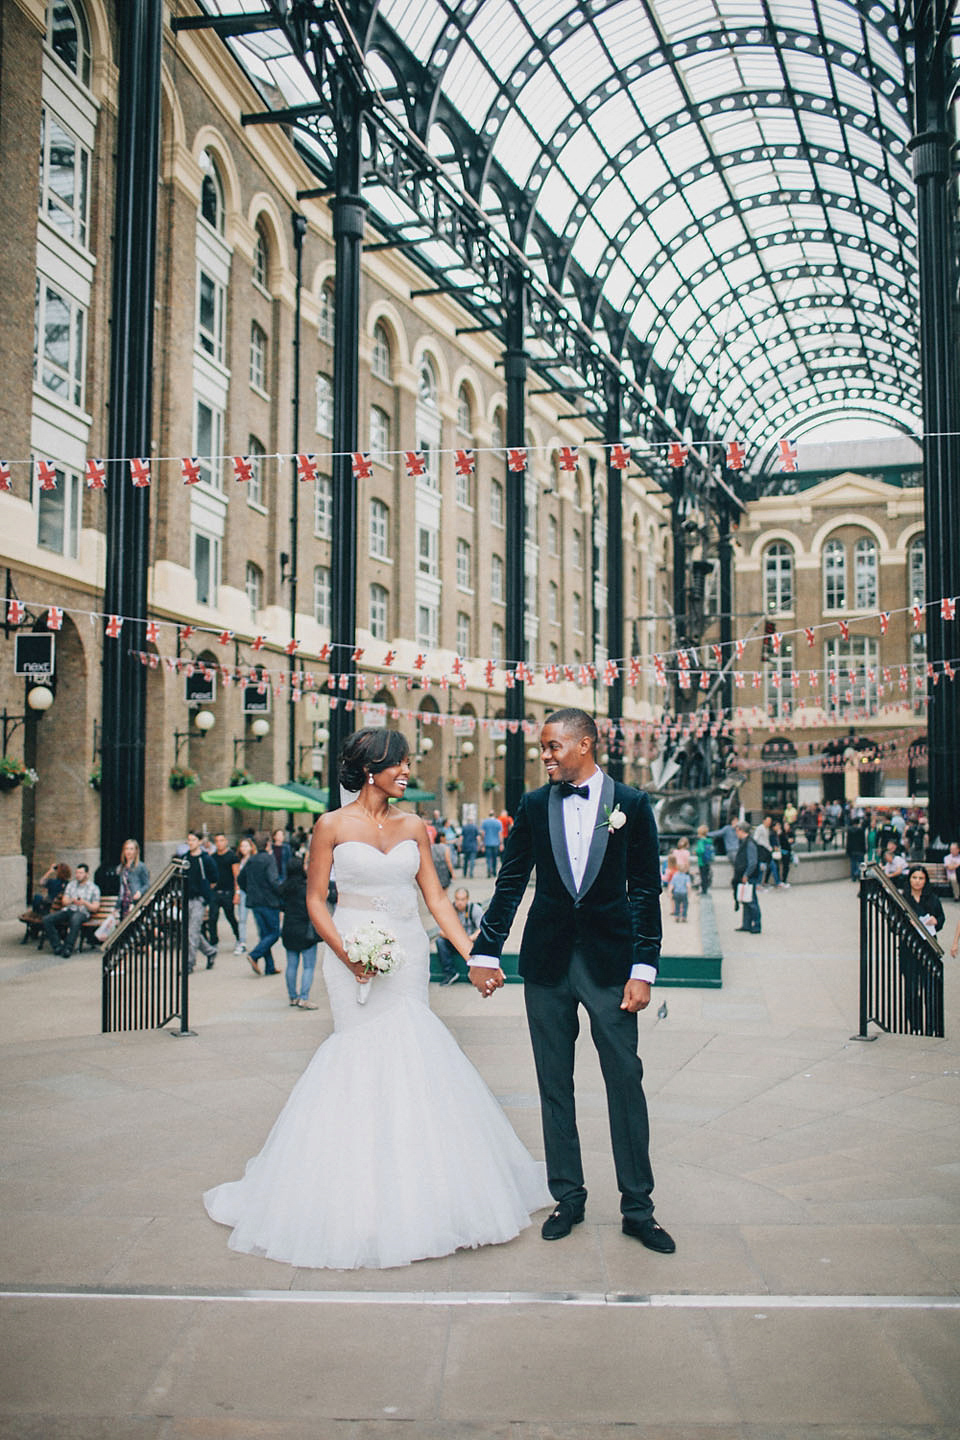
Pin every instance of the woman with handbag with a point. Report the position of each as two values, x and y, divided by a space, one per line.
298 936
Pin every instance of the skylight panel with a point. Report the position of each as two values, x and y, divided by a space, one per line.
616 121
618 284
555 200
417 25
656 96
626 30
639 249
670 217
692 256
733 132
726 235
613 206
499 35
645 172
581 158
808 74
682 148
842 22
516 147
470 87
581 62
665 284
706 195
644 316
589 245
543 101
709 73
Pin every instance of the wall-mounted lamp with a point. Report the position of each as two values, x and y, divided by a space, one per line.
466 749
40 697
426 745
204 720
260 727
501 749
533 752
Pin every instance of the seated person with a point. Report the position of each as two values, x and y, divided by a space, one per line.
895 865
53 882
81 899
470 916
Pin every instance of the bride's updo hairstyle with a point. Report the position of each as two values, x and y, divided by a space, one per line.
367 752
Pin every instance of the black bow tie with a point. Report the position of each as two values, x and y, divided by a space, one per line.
567 789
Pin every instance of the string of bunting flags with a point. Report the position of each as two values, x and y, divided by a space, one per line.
142 469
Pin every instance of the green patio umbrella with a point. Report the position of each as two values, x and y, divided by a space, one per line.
262 796
309 792
416 796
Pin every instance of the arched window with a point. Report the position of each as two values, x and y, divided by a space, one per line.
379 435
257 456
327 311
834 575
865 581
381 360
211 194
321 595
464 418
497 644
69 38
496 435
496 503
428 423
379 529
916 572
497 592
258 356
261 260
427 384
778 578
464 480
324 423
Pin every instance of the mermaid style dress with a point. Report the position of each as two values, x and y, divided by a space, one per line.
391 1148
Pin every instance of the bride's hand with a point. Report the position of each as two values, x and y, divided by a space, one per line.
485 979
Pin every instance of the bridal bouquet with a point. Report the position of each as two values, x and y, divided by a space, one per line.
376 950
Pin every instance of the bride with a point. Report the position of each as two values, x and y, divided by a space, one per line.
390 1148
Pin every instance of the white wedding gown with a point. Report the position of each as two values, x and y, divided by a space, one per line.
390 1148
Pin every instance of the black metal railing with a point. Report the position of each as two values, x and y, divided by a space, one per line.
144 983
901 963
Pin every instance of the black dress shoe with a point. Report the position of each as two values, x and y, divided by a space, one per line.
649 1233
562 1221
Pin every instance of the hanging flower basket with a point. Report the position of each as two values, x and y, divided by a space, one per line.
95 777
182 778
452 786
13 772
240 777
489 783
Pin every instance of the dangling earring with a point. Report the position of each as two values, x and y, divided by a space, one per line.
370 779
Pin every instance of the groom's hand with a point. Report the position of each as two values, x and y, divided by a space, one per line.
636 995
486 979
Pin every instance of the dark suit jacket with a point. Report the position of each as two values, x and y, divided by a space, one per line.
614 917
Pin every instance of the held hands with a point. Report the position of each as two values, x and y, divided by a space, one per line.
485 979
636 995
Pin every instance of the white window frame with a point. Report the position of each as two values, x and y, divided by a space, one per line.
70 220
428 625
497 504
381 360
834 564
321 595
428 551
860 653
323 508
69 389
866 573
553 537
209 456
253 585
199 540
778 578
209 339
497 643
256 454
326 319
464 563
917 571
379 529
324 416
259 346
497 580
779 700
379 435
463 633
379 611
66 502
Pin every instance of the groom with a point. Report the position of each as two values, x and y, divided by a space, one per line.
592 938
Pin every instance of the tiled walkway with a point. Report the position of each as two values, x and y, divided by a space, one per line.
811 1183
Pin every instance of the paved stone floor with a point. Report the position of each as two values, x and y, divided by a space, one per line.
811 1183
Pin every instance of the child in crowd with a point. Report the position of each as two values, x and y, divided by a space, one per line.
680 890
704 853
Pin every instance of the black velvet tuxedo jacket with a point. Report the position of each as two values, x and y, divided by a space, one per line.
614 916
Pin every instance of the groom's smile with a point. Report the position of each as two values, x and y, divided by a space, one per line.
565 754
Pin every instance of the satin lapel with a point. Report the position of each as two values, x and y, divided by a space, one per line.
601 834
558 839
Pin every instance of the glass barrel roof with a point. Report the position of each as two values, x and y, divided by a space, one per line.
731 175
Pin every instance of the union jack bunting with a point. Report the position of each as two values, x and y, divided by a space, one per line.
677 454
242 469
884 621
808 631
190 469
5 482
948 609
917 612
569 457
153 633
140 472
736 455
225 637
620 457
361 464
114 624
844 629
46 475
517 458
464 462
415 463
307 469
96 474
55 618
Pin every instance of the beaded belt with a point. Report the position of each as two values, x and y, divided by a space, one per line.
402 909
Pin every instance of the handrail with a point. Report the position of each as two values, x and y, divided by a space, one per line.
901 963
144 970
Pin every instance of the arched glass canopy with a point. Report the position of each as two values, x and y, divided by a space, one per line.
719 189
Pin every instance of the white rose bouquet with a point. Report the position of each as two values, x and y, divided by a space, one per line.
376 950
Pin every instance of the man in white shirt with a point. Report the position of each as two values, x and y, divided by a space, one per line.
592 938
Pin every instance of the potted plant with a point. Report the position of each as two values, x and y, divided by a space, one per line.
13 772
453 785
182 777
239 776
95 777
489 783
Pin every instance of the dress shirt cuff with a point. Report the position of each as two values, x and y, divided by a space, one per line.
644 972
488 961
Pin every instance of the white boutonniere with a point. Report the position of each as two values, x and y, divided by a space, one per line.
615 819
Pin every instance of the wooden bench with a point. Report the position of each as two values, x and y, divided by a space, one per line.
33 923
938 876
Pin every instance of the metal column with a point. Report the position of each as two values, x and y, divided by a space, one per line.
124 690
515 370
615 645
937 263
349 211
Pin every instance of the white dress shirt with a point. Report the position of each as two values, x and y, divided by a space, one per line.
579 824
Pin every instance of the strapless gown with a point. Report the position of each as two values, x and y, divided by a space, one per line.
391 1148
